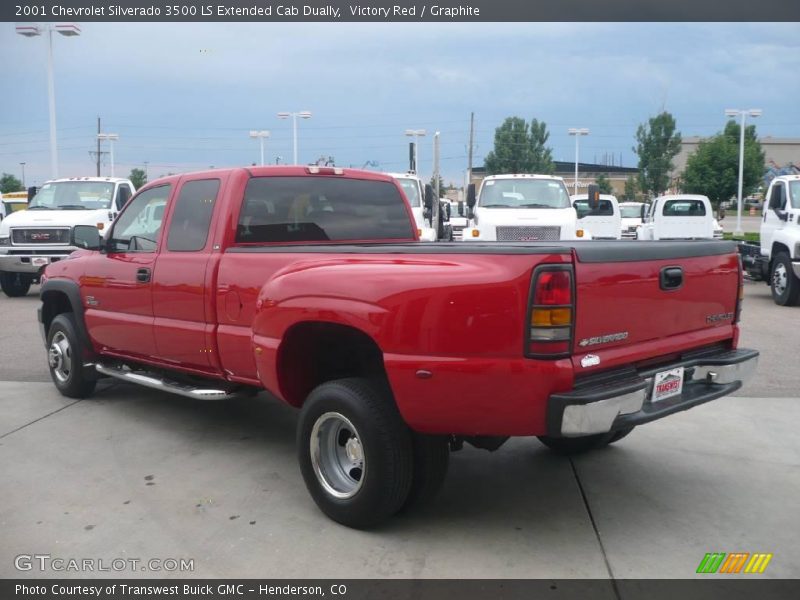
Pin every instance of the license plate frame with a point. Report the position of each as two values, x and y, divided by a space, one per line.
40 261
667 384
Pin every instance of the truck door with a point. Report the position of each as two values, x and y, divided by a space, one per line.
182 303
770 221
117 294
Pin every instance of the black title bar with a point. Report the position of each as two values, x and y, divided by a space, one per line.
399 10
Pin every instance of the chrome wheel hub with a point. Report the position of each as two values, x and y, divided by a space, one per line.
780 279
59 357
337 455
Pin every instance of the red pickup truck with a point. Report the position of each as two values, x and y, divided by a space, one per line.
310 283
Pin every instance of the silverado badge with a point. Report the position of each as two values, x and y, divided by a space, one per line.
603 339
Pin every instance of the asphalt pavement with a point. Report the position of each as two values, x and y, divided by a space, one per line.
133 473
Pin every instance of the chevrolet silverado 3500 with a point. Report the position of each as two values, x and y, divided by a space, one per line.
310 283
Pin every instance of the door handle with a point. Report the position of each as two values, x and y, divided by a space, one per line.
671 278
143 275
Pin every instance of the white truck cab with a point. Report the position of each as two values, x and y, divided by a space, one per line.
604 221
33 238
631 218
414 190
679 217
521 208
776 259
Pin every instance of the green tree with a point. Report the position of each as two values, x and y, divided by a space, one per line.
138 178
657 144
713 169
9 183
603 184
520 148
631 187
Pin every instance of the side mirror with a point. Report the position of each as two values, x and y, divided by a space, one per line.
644 212
444 208
460 208
471 198
428 196
782 214
32 192
86 237
594 197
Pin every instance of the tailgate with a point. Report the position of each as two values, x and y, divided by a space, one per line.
632 306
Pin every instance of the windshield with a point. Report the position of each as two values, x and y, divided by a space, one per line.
794 193
411 190
73 195
631 212
524 193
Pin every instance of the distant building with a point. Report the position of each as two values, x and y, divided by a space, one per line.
779 154
587 173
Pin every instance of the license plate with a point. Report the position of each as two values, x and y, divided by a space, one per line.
40 261
667 384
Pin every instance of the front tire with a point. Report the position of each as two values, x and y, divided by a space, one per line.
15 285
783 283
355 451
65 358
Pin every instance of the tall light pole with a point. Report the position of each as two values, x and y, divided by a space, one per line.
416 133
735 112
260 135
33 30
303 114
22 164
577 133
111 137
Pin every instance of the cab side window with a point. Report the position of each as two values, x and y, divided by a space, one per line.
777 198
139 225
191 218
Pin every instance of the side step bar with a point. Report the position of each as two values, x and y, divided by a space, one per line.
174 387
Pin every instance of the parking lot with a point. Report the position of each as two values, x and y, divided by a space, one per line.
132 473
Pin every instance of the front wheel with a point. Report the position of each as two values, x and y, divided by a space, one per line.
785 286
64 357
355 451
15 285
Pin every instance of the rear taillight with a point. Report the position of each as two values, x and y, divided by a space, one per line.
739 293
551 315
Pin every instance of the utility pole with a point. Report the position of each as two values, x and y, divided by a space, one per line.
469 150
436 190
98 146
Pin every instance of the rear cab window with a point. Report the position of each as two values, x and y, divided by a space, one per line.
322 209
604 209
684 208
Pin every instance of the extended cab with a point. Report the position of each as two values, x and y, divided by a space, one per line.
776 259
310 283
679 217
521 208
33 238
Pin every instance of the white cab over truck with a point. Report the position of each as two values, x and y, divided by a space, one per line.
604 221
679 217
33 238
521 208
631 218
776 259
429 216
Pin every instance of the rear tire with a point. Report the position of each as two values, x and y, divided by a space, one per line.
65 358
783 283
15 285
355 451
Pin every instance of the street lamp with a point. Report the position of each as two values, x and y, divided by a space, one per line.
67 30
577 133
416 133
260 135
303 114
735 112
22 164
111 137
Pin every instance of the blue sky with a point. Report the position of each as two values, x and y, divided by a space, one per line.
184 96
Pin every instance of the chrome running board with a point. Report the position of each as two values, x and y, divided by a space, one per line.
147 379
